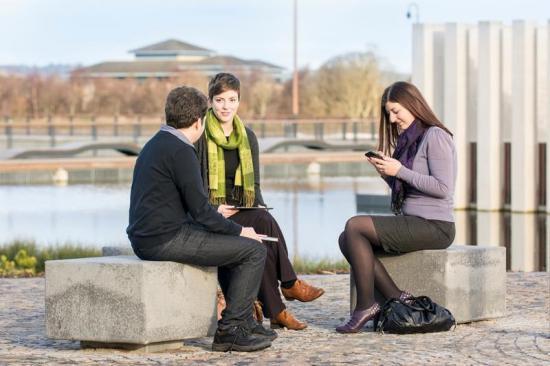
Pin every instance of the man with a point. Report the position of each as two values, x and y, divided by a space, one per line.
171 220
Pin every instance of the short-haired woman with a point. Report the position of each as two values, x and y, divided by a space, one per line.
229 157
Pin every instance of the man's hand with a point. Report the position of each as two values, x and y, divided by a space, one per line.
227 211
249 232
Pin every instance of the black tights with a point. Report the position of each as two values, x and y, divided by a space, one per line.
357 243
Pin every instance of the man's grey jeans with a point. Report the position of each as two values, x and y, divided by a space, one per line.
240 263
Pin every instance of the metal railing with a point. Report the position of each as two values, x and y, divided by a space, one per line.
96 128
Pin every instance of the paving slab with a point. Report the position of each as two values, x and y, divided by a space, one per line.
521 337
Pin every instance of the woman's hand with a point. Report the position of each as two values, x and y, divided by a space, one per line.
375 162
387 166
227 210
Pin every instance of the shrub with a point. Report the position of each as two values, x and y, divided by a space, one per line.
25 258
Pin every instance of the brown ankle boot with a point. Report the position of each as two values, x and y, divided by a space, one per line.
302 291
258 314
286 320
220 303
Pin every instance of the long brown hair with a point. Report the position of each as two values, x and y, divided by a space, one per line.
411 99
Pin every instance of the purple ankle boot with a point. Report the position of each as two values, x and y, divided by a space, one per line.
406 297
358 319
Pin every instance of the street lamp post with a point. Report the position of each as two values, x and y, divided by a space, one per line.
295 100
410 8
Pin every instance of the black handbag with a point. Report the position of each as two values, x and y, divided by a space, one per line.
415 315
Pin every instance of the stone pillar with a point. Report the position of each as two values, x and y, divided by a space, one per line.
489 156
542 98
438 97
423 75
455 92
506 86
473 64
462 224
489 228
523 247
524 157
547 242
548 153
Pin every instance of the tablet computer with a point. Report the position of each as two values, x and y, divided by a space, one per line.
250 208
269 238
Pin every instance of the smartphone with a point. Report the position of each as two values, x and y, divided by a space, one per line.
373 154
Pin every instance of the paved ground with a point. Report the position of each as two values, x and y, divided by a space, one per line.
520 338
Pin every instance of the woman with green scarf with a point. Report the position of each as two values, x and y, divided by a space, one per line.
229 156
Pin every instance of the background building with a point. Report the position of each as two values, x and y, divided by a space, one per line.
171 58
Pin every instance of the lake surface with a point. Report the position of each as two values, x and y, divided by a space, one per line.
311 211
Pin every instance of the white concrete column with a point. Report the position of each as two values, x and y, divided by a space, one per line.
489 229
547 243
542 98
472 72
472 97
524 158
523 247
506 86
462 224
423 75
489 156
438 98
548 151
455 91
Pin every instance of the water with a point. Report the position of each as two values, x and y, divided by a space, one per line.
312 213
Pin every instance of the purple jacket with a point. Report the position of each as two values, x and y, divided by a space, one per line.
432 178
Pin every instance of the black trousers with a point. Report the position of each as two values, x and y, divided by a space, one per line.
240 263
277 264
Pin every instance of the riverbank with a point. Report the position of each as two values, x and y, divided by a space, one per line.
522 337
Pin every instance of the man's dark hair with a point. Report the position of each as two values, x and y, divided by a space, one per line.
184 105
223 82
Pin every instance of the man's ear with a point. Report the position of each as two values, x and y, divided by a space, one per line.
198 124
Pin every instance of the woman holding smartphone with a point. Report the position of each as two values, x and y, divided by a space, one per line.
421 173
229 156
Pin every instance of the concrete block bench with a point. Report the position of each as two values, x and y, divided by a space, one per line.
468 280
124 302
119 250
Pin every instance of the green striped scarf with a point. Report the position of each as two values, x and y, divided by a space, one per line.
216 143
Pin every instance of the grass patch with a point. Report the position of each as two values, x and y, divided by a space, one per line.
22 258
305 265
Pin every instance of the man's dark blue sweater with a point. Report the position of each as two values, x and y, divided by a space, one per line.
168 192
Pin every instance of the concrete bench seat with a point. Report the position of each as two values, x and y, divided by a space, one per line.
124 302
119 250
468 280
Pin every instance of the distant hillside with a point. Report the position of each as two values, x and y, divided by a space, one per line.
62 70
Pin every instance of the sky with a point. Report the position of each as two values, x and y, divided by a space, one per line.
41 32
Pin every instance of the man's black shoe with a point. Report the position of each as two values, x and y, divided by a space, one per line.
238 339
260 330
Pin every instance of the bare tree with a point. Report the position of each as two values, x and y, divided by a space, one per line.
261 95
345 86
